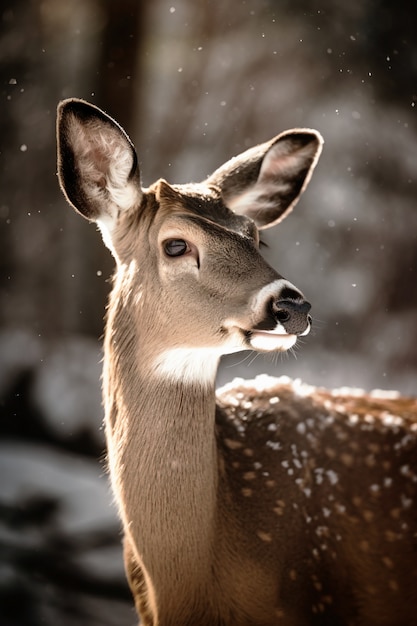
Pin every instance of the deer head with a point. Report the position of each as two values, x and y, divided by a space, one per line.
193 248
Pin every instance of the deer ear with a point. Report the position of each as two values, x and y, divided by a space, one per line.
265 182
97 163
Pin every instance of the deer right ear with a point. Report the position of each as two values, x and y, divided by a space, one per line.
97 163
265 182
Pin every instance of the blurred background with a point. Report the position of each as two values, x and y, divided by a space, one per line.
193 83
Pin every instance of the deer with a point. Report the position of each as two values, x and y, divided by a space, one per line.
267 502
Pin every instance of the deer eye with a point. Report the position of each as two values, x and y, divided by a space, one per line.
176 247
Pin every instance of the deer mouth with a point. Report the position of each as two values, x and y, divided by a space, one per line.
271 341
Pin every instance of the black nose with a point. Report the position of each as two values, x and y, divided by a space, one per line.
292 314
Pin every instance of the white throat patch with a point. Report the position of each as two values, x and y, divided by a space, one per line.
188 365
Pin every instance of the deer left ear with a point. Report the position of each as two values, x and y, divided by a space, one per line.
265 182
97 163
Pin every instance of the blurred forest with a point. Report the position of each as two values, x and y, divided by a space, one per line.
193 83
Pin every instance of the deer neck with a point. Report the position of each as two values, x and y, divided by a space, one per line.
162 455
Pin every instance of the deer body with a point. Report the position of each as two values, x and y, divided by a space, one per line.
272 503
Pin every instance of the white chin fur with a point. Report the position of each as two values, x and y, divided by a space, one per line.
269 341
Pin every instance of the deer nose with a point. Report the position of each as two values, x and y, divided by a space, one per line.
292 314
